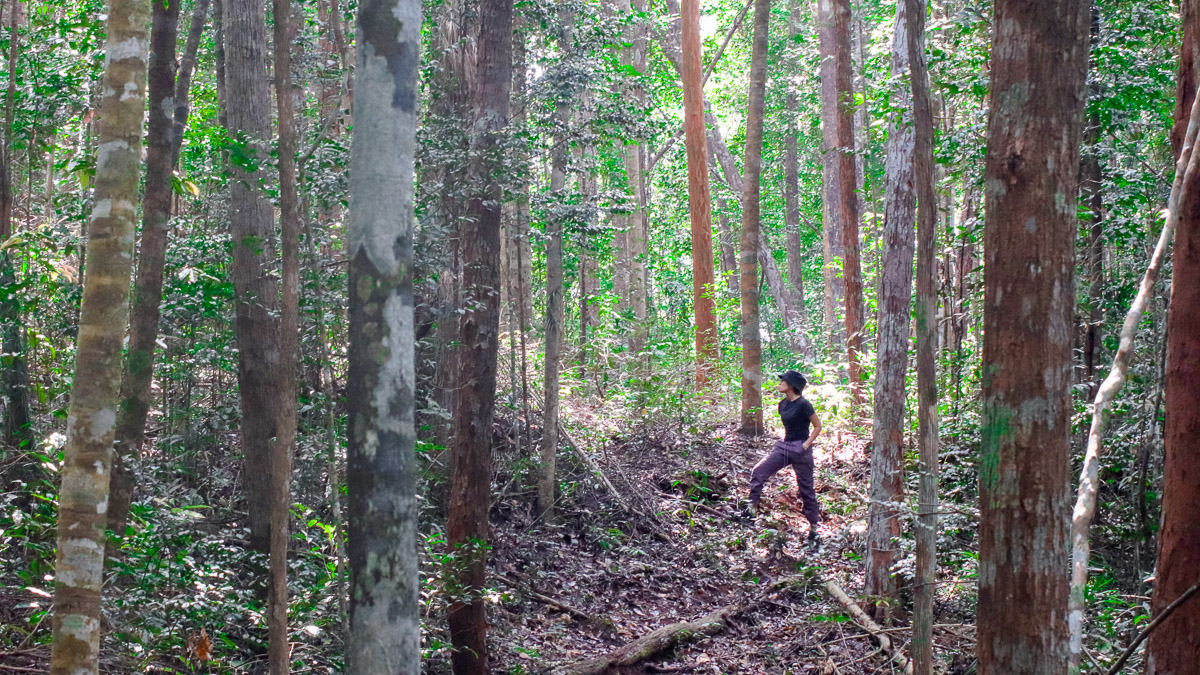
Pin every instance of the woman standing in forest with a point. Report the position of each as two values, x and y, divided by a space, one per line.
795 449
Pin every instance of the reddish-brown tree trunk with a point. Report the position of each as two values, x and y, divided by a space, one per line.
1175 646
1039 64
478 331
699 199
848 194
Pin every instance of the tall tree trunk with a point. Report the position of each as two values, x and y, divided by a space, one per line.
478 330
699 198
167 112
15 379
752 415
1090 179
835 285
555 304
87 455
385 629
895 300
848 194
925 316
289 338
1029 235
791 178
1175 646
636 236
252 221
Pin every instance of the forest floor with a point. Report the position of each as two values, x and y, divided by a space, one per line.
666 547
616 576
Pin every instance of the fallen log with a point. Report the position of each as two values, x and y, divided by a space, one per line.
885 643
655 642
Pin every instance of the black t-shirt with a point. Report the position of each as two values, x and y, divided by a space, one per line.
796 416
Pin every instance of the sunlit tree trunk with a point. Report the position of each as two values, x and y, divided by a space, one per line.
385 629
252 221
835 285
1031 178
752 415
699 199
91 422
478 331
634 155
925 318
167 112
895 299
555 302
791 180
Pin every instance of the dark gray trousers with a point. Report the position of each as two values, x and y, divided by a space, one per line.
784 454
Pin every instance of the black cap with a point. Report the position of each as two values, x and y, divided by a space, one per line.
795 380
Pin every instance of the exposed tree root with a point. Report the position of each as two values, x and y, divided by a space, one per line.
656 642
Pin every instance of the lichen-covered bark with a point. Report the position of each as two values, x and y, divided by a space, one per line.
1039 63
925 318
385 632
87 460
252 222
478 333
1174 648
895 298
636 238
752 416
167 111
791 183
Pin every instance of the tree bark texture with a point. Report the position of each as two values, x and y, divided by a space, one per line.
167 112
791 183
1174 648
835 286
555 302
87 454
385 631
752 414
848 194
1189 72
252 221
699 198
282 446
1039 64
925 318
478 332
895 300
636 234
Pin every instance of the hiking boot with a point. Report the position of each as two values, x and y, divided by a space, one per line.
813 543
746 514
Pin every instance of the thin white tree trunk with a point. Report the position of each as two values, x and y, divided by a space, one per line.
1089 476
